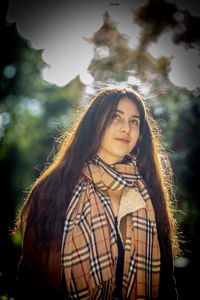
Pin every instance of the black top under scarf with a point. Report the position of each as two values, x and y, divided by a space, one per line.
120 265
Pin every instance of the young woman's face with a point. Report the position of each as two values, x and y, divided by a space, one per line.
122 133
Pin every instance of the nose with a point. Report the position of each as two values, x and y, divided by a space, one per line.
125 126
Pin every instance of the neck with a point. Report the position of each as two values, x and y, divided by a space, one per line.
109 160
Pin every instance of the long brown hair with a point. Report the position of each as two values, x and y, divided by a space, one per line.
45 207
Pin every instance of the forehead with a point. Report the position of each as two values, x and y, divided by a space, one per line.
126 105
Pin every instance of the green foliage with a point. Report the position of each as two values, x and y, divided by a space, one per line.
37 112
4 297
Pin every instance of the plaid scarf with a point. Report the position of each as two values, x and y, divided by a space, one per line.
89 248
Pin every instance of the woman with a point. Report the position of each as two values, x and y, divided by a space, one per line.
98 221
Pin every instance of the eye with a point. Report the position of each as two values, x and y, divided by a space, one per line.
135 122
115 116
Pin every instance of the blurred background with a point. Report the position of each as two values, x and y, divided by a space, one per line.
55 55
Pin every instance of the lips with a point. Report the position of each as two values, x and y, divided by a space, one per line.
123 140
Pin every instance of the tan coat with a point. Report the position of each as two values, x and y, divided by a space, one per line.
40 274
40 271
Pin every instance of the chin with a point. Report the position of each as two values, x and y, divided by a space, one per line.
121 156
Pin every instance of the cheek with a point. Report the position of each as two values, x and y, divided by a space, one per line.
105 138
135 136
109 132
138 133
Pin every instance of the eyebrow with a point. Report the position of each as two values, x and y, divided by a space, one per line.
121 112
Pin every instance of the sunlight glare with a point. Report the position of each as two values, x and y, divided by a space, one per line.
63 68
184 67
86 78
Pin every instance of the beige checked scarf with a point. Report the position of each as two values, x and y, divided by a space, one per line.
89 248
